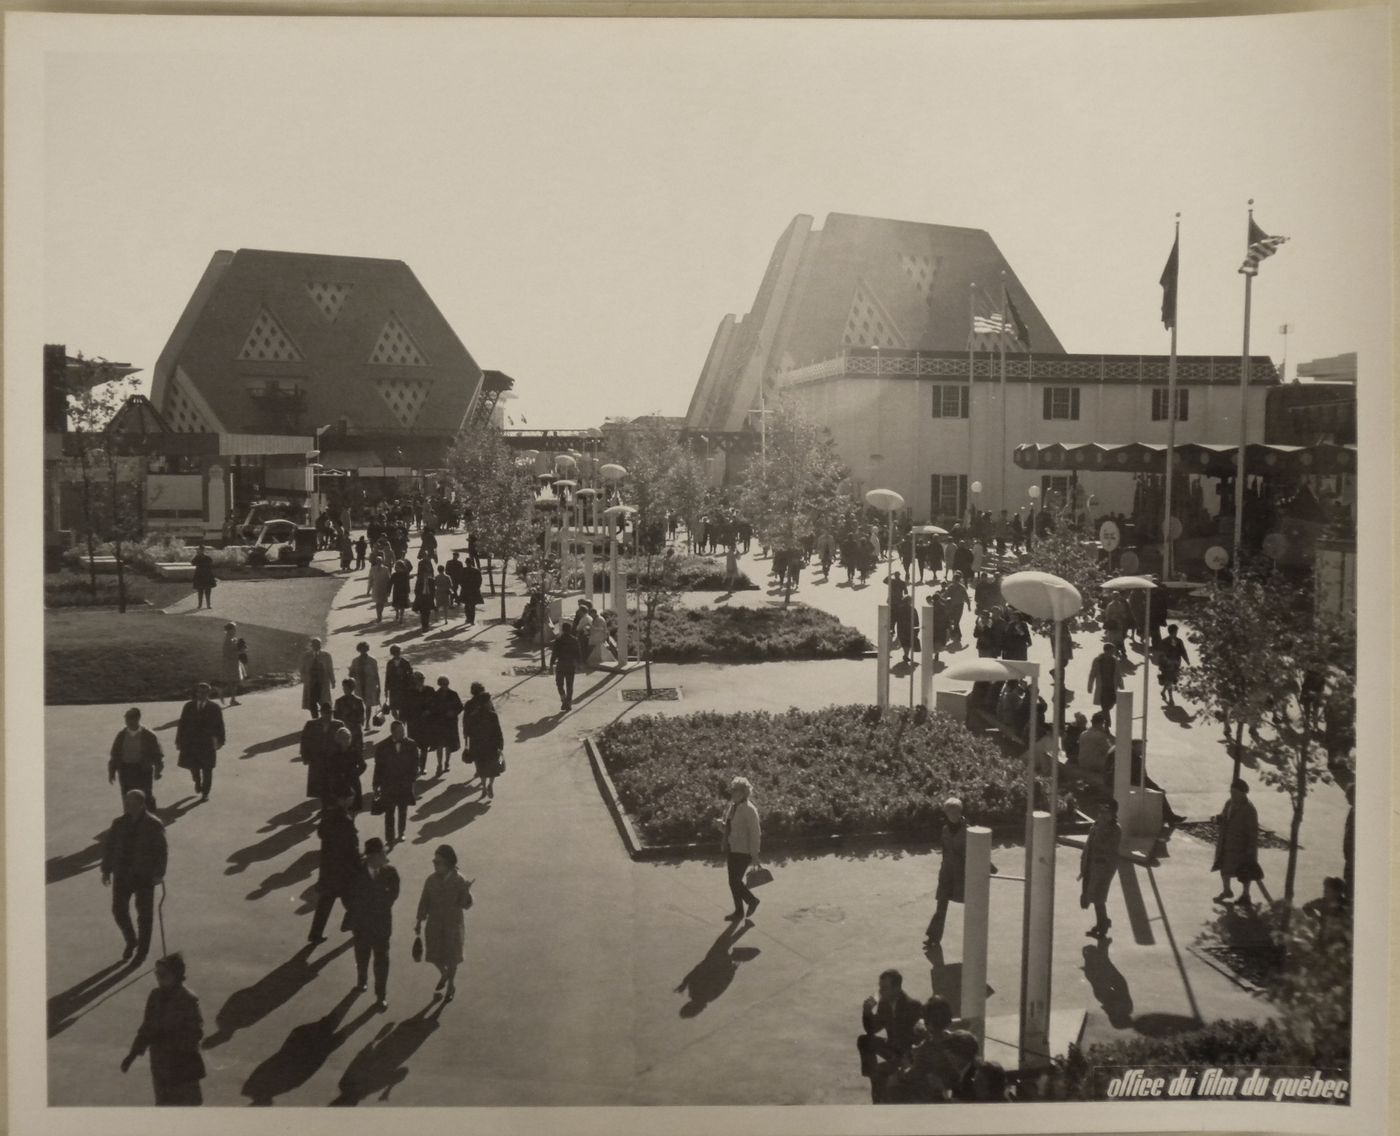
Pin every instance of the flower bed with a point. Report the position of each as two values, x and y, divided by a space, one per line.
842 770
144 555
696 574
752 634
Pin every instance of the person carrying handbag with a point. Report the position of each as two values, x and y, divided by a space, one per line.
739 840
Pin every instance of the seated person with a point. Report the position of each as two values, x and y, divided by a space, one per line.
989 1082
1070 738
926 1076
895 1014
965 1060
1096 749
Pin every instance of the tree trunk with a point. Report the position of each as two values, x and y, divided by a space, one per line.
87 525
646 651
1239 746
544 622
117 537
503 585
1301 772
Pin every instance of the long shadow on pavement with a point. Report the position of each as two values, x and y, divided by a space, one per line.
304 1051
169 814
383 1063
444 650
446 825
298 870
272 744
303 810
250 1005
1108 984
67 1007
444 800
283 840
538 728
711 976
60 868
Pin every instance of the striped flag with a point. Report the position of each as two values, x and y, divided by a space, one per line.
1261 245
989 327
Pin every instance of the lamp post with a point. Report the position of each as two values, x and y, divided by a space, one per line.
888 501
972 510
1034 494
916 531
1144 585
615 515
1037 921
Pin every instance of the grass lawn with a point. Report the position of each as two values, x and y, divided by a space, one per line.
752 634
144 655
71 588
840 770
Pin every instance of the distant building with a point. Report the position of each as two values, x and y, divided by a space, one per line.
1320 410
857 282
351 350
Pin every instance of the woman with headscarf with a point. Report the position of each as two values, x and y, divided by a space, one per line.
481 727
171 1030
441 918
1237 845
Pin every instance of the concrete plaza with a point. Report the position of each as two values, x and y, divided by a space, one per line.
589 978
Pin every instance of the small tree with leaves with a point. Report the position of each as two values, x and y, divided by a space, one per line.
538 567
659 586
796 487
498 488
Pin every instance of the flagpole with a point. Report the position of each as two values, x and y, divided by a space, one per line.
1171 414
971 340
1244 411
1001 356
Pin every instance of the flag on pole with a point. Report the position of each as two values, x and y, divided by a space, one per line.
1261 245
1018 326
989 327
1168 283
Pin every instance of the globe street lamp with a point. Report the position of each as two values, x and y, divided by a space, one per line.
1034 494
976 488
916 531
887 501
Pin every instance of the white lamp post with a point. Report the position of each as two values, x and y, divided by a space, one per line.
976 490
1140 584
1037 917
1034 494
615 514
888 501
916 531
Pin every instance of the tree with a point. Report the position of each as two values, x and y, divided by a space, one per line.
499 489
797 487
690 491
92 403
659 586
651 454
538 567
1234 672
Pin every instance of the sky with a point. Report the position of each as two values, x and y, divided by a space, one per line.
585 200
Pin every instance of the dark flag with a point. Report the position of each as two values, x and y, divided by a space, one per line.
1022 333
1169 288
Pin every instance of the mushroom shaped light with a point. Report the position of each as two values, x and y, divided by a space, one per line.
1042 595
886 500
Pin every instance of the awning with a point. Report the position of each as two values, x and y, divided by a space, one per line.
1191 457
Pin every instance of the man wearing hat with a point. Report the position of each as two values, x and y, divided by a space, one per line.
950 871
370 902
198 738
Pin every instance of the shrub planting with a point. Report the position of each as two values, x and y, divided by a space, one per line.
747 634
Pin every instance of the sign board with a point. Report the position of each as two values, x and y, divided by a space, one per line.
1275 545
1216 558
1109 537
1172 529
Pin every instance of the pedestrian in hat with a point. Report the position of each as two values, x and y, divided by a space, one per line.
199 737
340 860
370 907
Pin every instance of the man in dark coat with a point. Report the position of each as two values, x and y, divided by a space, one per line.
136 759
895 1014
317 742
1015 637
133 863
344 762
395 772
370 903
350 709
418 716
1098 866
950 871
564 658
340 860
469 591
1106 677
171 1030
398 681
198 738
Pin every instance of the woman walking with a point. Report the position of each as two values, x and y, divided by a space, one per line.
379 578
442 592
424 600
445 737
441 919
400 585
398 681
204 578
1171 657
739 833
1237 845
171 1030
485 741
364 669
1098 864
234 665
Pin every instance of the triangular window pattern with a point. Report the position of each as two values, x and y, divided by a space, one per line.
396 347
405 397
180 412
269 342
330 298
868 324
920 270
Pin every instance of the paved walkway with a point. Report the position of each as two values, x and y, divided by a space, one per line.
589 979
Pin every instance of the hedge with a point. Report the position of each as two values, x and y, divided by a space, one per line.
695 573
842 770
751 634
157 548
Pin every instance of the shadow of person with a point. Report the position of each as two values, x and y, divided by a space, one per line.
250 1005
1177 715
945 979
298 870
450 796
445 825
305 1050
60 868
1108 984
538 728
711 976
383 1063
271 745
64 1008
282 840
169 814
303 810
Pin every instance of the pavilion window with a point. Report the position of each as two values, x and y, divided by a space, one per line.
1159 404
950 400
1061 404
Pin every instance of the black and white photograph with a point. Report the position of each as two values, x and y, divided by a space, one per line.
560 571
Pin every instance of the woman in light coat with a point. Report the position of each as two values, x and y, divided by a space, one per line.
441 918
379 576
317 677
364 669
740 835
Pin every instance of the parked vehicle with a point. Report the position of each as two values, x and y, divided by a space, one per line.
283 542
272 509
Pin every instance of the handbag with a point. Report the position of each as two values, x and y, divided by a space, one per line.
376 806
417 948
757 877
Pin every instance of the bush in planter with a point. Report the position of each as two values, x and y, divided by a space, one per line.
697 573
688 635
839 770
156 548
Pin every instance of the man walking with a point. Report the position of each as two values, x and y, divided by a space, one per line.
340 860
395 771
199 737
1098 864
563 661
950 871
136 759
317 676
372 892
133 863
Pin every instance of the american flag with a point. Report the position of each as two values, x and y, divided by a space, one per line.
1261 245
992 324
